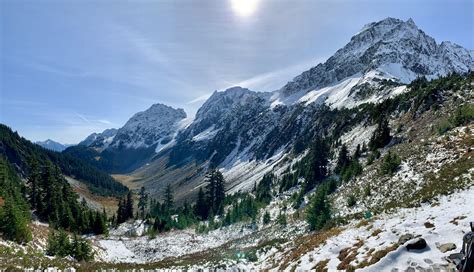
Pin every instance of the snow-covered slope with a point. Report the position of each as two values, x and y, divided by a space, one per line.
53 145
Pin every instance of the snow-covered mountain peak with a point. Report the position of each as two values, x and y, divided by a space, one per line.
149 127
53 145
221 103
396 48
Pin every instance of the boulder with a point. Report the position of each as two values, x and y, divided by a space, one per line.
447 247
418 244
405 238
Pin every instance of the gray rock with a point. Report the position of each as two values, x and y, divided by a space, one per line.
447 247
405 238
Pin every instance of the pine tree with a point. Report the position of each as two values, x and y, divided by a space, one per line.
317 164
143 201
121 216
15 228
215 191
264 188
266 218
33 180
168 199
200 209
343 160
381 136
281 219
319 212
129 206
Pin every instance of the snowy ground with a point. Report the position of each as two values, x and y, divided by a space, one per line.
120 248
386 230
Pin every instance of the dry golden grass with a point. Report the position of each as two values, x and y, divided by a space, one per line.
376 232
108 203
455 220
132 182
307 243
377 255
347 255
321 266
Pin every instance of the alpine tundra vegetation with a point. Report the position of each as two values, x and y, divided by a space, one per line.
364 162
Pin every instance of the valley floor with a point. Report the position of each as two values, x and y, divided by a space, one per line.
371 245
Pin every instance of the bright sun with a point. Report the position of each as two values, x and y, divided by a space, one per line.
244 8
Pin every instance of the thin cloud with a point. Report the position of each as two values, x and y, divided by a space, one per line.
267 81
200 98
276 79
92 120
53 69
141 44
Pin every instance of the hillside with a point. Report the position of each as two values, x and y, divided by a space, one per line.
19 152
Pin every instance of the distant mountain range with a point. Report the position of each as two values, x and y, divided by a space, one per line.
53 145
246 133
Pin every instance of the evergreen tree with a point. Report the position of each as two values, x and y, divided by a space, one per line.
200 209
319 211
281 219
390 163
58 244
168 204
81 249
33 181
215 191
266 218
381 136
264 189
15 224
343 160
143 201
121 213
129 206
316 169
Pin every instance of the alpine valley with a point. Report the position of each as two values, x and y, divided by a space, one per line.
344 168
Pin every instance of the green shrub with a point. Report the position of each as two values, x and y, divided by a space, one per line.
367 190
390 163
351 201
281 219
375 154
443 126
58 244
463 115
266 218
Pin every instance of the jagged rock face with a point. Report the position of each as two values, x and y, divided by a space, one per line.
100 141
229 120
393 46
148 128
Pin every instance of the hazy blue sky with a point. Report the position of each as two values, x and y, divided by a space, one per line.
69 68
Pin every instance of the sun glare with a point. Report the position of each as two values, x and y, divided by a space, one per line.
244 8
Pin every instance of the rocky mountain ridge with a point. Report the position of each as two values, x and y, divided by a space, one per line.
245 133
